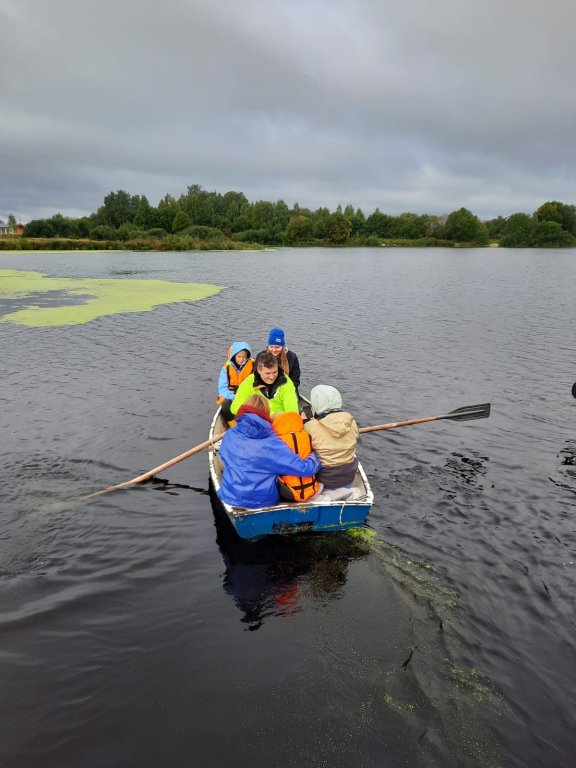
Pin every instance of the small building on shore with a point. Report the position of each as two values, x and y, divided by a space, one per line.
8 229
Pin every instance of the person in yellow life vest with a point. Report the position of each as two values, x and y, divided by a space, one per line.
270 382
237 367
290 428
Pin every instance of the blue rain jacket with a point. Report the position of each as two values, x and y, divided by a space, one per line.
253 457
223 389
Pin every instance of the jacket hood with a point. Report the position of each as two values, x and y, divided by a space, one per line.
339 423
288 422
238 346
324 398
253 426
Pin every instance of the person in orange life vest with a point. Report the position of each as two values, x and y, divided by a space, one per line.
238 367
290 428
287 360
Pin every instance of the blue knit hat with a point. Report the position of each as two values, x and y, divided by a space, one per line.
276 337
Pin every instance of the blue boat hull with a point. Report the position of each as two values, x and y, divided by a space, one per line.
288 520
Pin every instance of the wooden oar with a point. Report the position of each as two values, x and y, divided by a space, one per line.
460 414
152 472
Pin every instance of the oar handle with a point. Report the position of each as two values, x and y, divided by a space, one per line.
156 470
395 424
171 462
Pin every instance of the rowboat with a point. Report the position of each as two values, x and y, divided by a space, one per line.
290 517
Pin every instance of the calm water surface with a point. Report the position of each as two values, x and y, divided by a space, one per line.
136 630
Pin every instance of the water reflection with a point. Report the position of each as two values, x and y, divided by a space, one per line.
277 576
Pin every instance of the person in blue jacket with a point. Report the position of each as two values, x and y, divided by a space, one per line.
238 366
254 456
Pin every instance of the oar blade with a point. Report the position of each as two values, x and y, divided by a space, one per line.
469 412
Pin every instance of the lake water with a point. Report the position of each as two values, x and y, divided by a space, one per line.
136 630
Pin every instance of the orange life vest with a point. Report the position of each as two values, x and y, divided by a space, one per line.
290 429
236 377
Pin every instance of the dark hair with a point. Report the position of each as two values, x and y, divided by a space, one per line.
265 360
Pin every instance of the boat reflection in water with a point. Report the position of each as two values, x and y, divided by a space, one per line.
277 576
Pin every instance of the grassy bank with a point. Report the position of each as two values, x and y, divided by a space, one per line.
168 244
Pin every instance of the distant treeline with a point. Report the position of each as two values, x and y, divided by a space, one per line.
231 220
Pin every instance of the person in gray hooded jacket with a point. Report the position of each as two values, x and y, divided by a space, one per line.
334 435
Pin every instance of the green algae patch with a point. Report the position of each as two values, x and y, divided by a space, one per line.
364 534
100 297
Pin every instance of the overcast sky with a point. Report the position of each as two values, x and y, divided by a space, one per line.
407 106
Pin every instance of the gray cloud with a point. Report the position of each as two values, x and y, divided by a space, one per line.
418 106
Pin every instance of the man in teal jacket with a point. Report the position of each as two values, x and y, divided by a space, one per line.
271 383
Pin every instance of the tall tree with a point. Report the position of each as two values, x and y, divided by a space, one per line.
145 217
358 222
409 225
119 208
562 213
550 234
339 228
300 229
463 227
436 227
166 211
518 231
378 224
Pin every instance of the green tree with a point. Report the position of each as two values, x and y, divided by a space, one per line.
263 214
11 220
181 222
119 208
39 228
339 227
550 234
463 227
320 219
146 216
358 222
300 230
65 227
436 227
349 211
409 226
83 226
518 231
128 232
103 232
166 211
563 214
156 233
378 224
496 227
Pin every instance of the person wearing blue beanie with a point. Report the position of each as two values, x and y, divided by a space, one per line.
287 360
276 337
